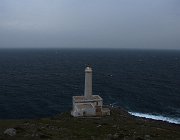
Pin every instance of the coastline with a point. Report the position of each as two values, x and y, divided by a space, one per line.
156 117
120 125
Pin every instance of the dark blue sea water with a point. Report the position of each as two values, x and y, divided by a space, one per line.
41 82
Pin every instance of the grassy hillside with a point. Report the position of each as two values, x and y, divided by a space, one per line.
119 126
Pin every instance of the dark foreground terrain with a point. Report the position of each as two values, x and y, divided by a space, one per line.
119 126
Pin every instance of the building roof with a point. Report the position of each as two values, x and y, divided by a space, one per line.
82 98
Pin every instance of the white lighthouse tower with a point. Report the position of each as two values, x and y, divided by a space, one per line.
89 104
88 83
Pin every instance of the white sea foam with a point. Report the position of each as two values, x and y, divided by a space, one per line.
156 117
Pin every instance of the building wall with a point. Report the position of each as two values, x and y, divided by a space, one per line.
94 111
83 111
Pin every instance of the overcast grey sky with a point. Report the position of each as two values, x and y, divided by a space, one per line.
90 23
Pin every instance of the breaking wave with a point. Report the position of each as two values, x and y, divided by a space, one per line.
156 117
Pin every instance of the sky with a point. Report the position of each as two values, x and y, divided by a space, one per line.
149 24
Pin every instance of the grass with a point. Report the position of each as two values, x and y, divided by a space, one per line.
119 125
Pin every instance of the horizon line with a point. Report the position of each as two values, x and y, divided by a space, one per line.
93 48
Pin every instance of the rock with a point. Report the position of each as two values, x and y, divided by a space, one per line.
115 136
147 137
109 137
92 137
10 132
98 125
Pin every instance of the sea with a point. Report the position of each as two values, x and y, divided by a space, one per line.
36 83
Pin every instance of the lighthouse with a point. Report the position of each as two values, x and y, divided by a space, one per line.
88 83
88 105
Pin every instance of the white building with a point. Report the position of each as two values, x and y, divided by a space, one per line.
88 105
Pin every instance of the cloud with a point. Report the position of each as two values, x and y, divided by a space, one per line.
84 23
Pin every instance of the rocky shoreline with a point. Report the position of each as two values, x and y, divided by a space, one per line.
119 126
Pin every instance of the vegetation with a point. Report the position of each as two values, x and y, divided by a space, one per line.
119 126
